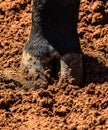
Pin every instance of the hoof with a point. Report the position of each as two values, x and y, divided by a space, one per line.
72 68
36 72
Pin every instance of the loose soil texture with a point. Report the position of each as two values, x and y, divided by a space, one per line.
59 106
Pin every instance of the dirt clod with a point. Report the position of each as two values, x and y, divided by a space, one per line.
59 106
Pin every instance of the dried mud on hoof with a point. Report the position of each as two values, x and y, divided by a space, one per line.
36 72
71 69
60 106
31 76
22 81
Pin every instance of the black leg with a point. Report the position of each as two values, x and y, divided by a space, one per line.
53 45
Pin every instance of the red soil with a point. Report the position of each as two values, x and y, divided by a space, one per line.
59 106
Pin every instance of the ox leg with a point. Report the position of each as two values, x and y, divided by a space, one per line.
53 42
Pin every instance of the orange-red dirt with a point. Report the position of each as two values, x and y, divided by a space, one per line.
59 106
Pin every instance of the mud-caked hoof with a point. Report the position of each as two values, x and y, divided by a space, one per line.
72 68
36 72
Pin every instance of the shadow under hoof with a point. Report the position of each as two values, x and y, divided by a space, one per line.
94 71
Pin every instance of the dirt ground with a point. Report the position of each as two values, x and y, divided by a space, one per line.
59 106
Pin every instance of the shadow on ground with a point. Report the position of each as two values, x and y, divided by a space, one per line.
94 72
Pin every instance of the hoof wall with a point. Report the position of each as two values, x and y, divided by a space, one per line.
72 68
38 73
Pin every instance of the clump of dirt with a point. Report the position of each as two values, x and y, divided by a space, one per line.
15 22
59 106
